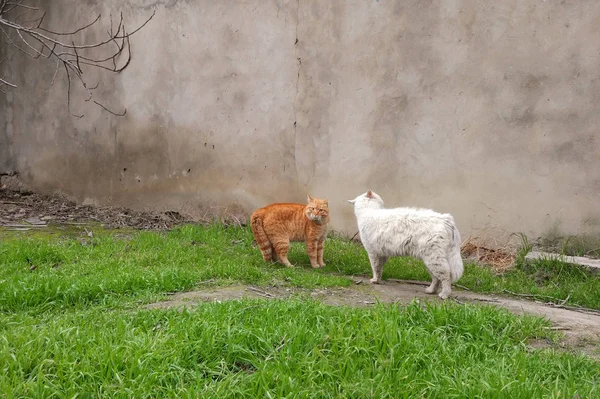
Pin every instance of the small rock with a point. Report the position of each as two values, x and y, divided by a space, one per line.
578 260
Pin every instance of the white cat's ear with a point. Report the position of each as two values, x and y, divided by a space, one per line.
369 194
352 201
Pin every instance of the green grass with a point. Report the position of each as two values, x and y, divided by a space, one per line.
75 271
289 349
69 271
548 280
71 325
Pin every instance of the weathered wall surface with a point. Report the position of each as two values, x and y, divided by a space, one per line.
485 109
5 126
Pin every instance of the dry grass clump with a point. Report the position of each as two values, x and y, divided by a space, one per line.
500 260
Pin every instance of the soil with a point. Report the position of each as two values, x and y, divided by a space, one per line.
25 210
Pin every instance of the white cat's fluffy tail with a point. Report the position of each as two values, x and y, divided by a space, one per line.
454 258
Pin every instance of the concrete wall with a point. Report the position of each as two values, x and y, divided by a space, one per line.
485 109
5 124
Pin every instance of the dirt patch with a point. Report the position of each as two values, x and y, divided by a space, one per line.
21 209
581 330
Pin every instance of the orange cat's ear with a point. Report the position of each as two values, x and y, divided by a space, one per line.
369 194
309 197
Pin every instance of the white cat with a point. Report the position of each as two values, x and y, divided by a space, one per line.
421 233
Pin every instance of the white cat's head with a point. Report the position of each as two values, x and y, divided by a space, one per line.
368 200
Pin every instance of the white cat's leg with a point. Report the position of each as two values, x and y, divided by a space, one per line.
443 274
432 289
440 271
446 288
377 263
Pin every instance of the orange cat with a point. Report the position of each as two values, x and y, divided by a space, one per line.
274 226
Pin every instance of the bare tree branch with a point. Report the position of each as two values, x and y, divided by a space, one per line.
36 41
69 33
108 110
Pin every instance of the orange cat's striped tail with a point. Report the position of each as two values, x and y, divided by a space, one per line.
261 238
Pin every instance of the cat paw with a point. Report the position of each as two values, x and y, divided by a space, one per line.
375 281
430 290
322 265
443 295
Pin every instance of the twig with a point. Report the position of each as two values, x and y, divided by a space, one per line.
558 305
529 295
4 82
462 287
68 33
276 349
486 300
261 292
411 282
575 308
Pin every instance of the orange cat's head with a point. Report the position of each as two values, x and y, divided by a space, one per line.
317 210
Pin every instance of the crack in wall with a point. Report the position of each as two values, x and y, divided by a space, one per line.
299 61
